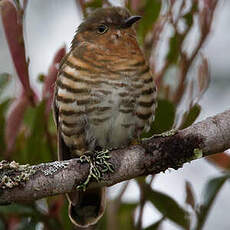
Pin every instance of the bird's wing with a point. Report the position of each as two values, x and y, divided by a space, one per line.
63 150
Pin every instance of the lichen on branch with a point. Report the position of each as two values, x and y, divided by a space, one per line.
153 155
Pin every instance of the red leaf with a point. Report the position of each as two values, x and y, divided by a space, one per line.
135 4
14 120
55 207
203 76
190 197
13 223
48 89
221 160
12 24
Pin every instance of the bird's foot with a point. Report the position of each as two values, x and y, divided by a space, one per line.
84 159
101 160
98 162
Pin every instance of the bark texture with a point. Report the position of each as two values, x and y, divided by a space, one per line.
152 156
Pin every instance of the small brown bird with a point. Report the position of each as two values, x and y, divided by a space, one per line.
104 98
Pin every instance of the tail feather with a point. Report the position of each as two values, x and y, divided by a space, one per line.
85 208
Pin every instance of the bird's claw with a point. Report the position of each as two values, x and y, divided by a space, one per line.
99 164
84 159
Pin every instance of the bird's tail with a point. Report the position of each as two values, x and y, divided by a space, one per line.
86 208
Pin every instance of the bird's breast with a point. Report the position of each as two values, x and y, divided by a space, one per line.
101 106
112 122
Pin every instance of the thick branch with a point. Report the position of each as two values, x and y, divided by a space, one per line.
152 156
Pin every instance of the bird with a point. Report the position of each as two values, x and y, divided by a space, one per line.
104 98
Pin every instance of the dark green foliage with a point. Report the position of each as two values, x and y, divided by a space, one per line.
175 43
210 192
164 118
17 209
4 80
35 119
125 215
169 208
190 116
3 108
94 4
190 14
151 13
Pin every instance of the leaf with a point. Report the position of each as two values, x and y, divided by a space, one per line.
12 25
174 49
3 107
190 198
164 118
210 192
64 216
17 209
190 116
203 77
126 215
4 80
151 13
188 19
156 225
189 15
14 121
169 208
94 4
134 4
49 83
221 160
37 137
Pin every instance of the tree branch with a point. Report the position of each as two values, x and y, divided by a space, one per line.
27 183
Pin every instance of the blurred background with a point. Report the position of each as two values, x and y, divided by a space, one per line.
50 24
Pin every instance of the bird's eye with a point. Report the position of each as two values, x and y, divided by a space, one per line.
102 29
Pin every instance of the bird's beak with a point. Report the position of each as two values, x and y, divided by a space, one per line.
129 21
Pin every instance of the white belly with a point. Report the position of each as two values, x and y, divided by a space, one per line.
118 127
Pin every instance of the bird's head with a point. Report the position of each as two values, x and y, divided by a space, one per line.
108 28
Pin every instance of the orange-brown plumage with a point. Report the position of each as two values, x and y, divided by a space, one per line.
105 97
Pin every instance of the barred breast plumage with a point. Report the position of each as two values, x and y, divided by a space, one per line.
104 103
105 95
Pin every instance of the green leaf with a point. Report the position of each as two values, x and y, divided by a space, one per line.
189 15
102 223
156 225
17 209
4 80
94 4
190 116
3 107
188 19
37 146
174 49
65 217
164 118
151 13
210 192
126 215
169 208
29 116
